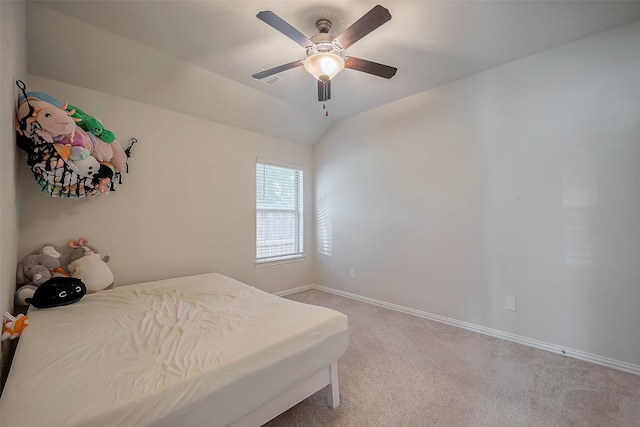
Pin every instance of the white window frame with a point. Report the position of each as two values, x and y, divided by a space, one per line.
299 254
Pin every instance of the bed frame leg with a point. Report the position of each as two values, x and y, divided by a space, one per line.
333 390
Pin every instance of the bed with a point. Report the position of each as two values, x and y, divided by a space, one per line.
203 350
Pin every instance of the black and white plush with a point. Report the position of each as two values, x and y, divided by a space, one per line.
58 291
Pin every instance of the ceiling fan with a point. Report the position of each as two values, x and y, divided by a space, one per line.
325 54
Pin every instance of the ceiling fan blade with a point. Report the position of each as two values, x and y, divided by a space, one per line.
370 67
284 27
363 26
278 69
324 90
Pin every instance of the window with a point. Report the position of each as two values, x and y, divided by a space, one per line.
279 219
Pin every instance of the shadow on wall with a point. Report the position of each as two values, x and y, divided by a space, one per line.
50 210
324 231
8 349
580 199
614 291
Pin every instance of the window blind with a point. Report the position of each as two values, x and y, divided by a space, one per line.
279 213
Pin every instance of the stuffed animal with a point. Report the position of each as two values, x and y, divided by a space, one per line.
101 150
86 167
70 153
103 180
91 124
42 97
23 293
58 291
86 265
12 327
35 269
58 175
119 159
106 147
46 121
109 152
77 138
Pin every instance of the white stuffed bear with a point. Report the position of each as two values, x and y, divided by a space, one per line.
93 271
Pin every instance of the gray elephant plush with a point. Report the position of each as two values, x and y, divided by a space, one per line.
35 269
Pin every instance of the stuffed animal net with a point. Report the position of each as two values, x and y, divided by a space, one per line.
69 152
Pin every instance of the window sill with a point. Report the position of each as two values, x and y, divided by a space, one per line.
279 261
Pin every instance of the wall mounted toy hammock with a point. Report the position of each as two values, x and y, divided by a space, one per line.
69 152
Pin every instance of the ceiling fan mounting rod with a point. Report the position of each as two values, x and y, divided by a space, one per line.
323 26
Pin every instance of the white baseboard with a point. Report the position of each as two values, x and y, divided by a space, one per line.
294 290
576 354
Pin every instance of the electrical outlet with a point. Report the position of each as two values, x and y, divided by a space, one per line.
510 303
352 273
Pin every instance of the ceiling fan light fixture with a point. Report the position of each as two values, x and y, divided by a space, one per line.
324 65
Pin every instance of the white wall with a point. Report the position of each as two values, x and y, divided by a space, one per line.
186 207
103 61
520 181
13 65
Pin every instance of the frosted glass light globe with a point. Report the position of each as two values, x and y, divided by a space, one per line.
324 65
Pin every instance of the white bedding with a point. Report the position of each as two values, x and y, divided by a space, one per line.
200 350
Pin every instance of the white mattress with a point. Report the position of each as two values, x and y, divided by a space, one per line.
200 350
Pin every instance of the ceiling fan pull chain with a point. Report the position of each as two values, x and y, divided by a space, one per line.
324 107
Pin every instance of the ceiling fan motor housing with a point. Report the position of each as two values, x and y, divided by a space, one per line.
323 42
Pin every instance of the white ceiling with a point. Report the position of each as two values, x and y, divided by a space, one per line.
430 42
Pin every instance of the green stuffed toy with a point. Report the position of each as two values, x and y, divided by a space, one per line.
89 123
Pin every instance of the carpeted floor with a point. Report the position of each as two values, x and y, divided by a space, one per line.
403 371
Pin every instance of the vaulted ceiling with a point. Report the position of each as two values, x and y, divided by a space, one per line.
197 57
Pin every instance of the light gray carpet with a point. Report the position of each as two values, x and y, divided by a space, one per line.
402 370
